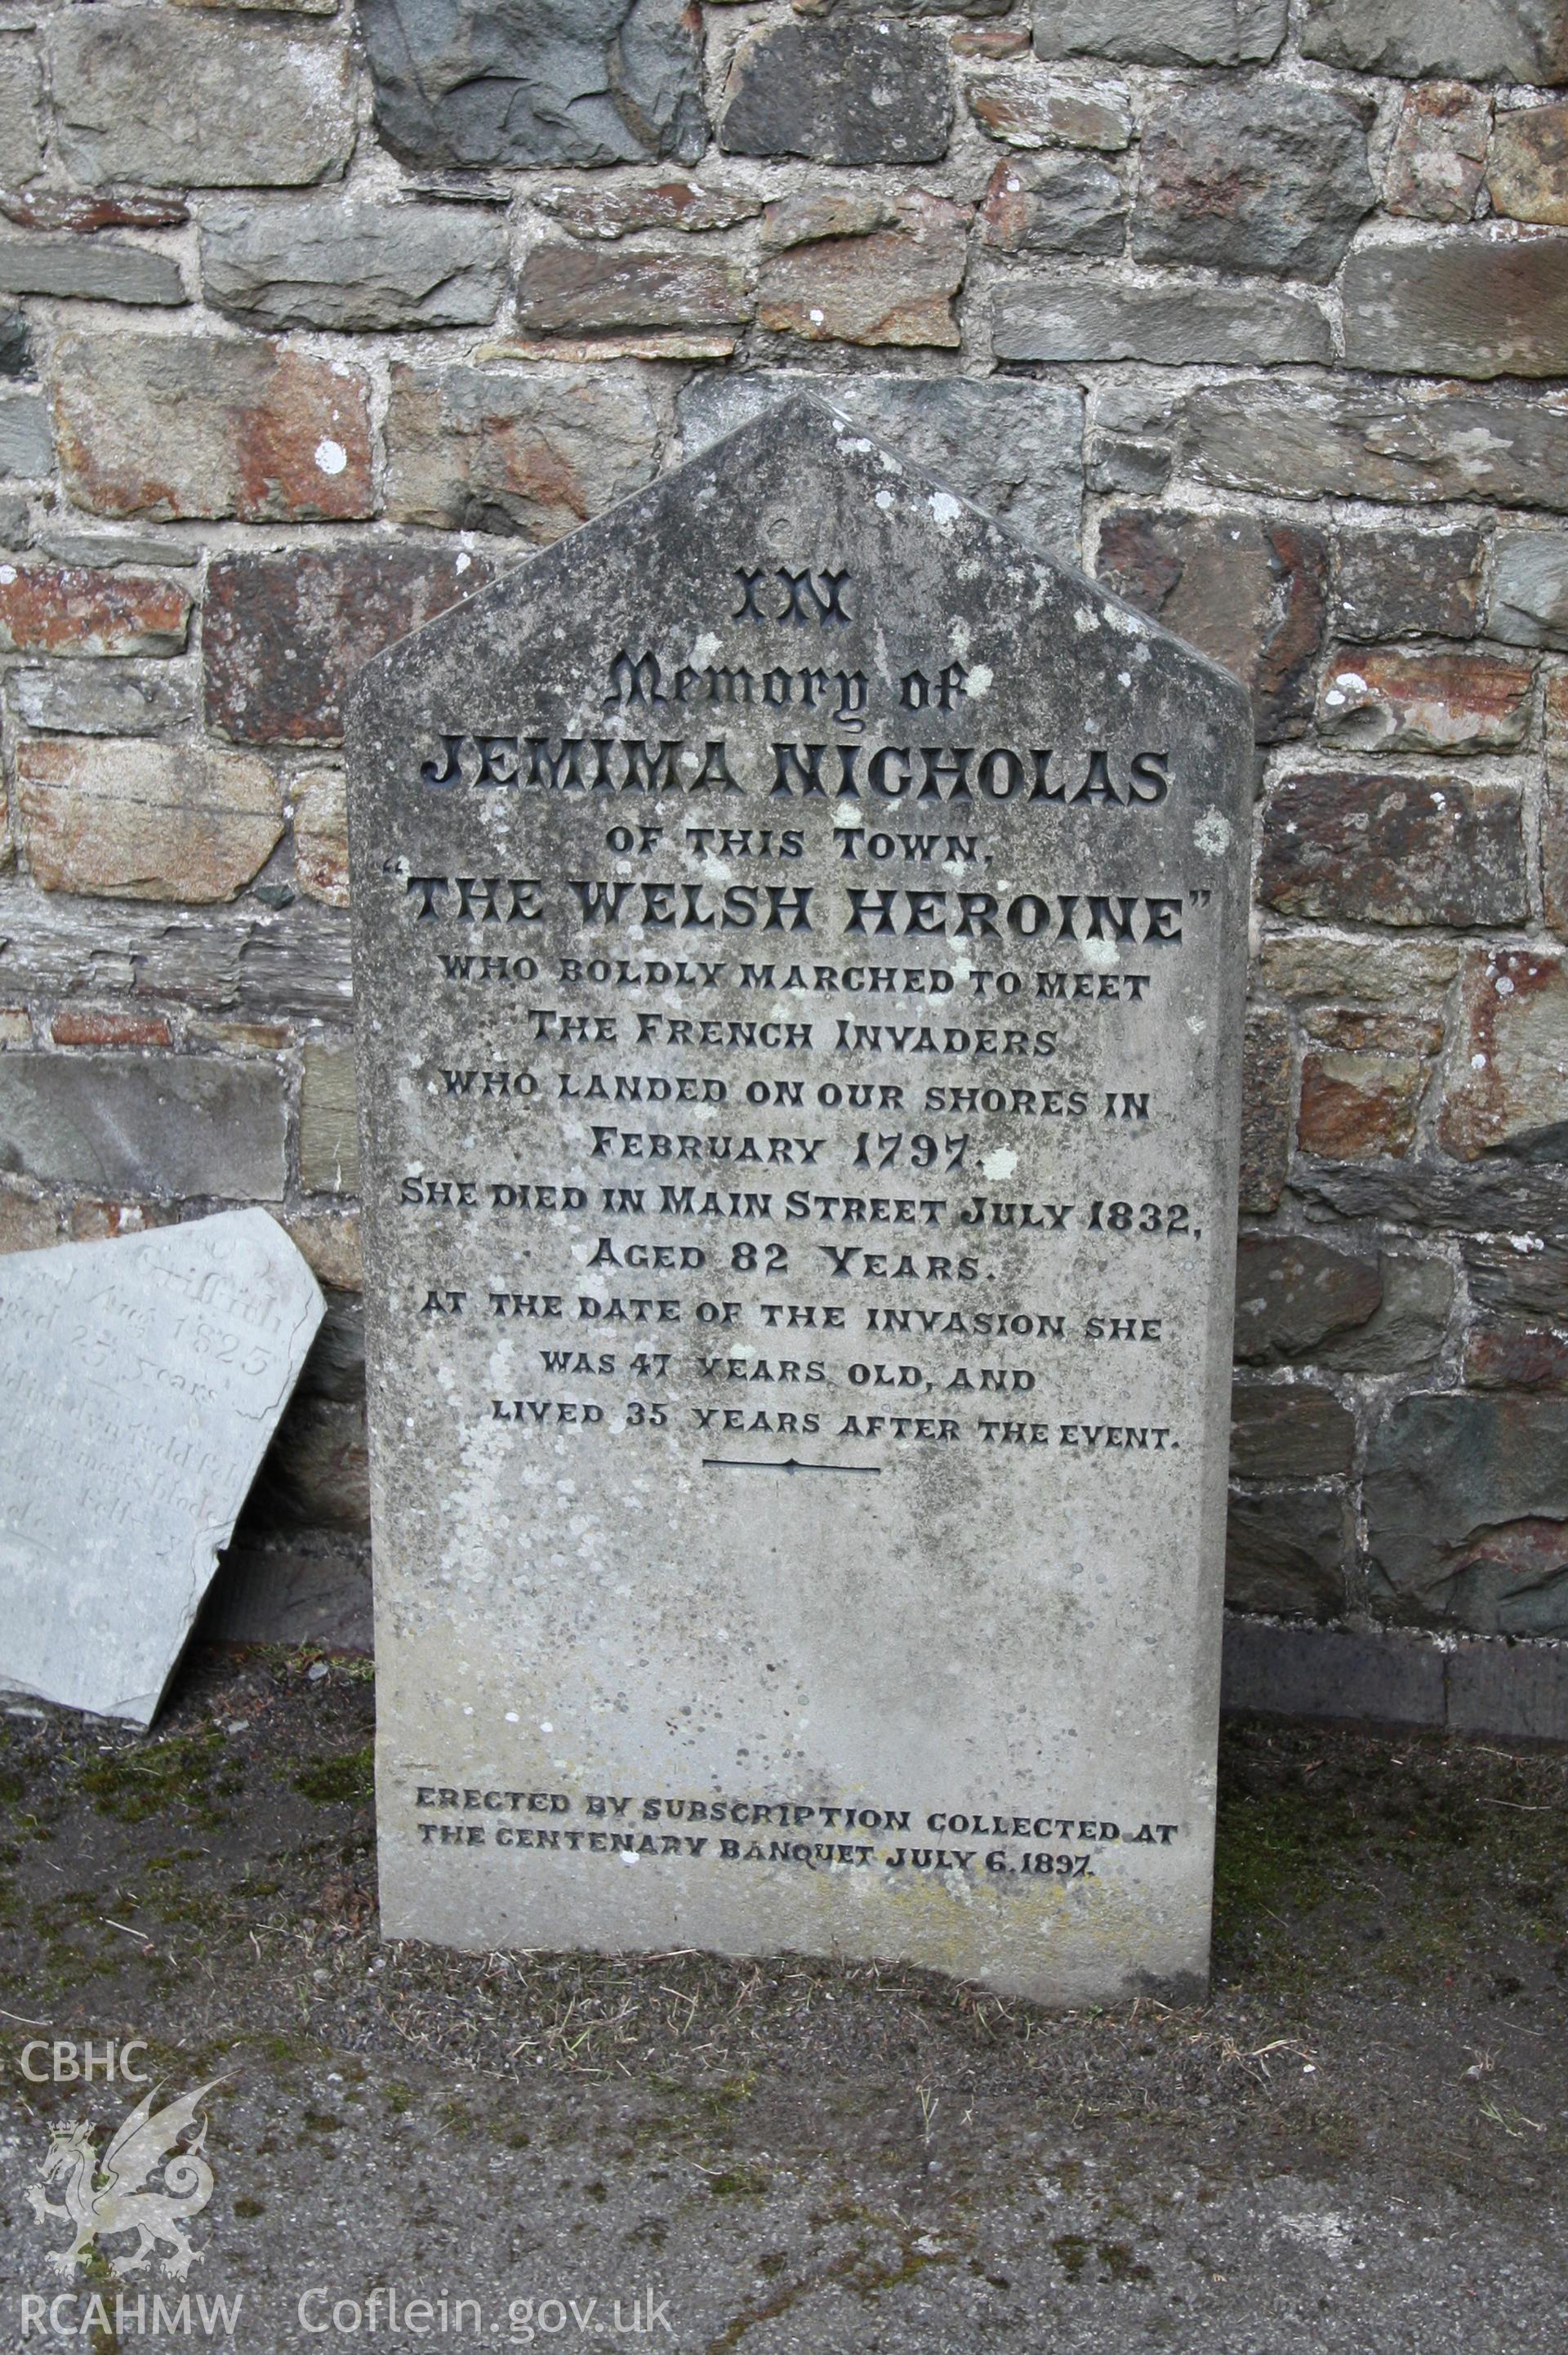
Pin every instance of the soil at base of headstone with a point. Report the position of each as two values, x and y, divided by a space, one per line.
1359 2141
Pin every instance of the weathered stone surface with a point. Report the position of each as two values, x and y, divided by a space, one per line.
337 262
494 449
1394 583
620 633
1554 854
1394 700
51 609
140 1383
106 271
1089 318
895 286
1434 168
1132 441
1408 1327
1440 1193
1417 445
1527 175
1160 32
329 1140
21 88
26 1221
1383 1034
83 214
164 426
1506 1083
665 344
568 288
1290 1431
600 212
1393 850
816 213
145 821
1284 1553
1253 176
87 699
1466 1502
172 1127
284 634
1472 40
1251 594
1529 602
460 84
1012 447
1512 1357
1359 1106
320 837
108 1025
26 448
318 1472
1523 1273
1054 204
848 91
1293 1292
1365 973
989 41
149 94
330 1241
1472 302
1026 110
1266 1112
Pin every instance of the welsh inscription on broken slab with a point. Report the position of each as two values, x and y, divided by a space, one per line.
799 948
140 1383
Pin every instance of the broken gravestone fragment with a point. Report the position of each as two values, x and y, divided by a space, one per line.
140 1383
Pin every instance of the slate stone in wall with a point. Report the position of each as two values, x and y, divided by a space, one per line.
461 84
1265 1111
1293 1292
1290 1431
1054 204
1015 448
1160 32
1284 1553
1303 441
21 88
1529 600
568 288
179 1126
1399 583
333 262
141 821
285 632
166 426
329 1138
1527 174
471 449
1408 1327
1383 848
894 286
1085 317
1474 303
1507 1085
107 270
1525 1276
1251 594
1516 1357
1441 1193
852 90
1027 110
1467 1509
27 450
610 212
1252 177
1472 40
1358 1106
1434 168
161 95
1426 699
98 699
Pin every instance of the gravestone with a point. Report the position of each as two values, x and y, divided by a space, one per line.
140 1383
799 946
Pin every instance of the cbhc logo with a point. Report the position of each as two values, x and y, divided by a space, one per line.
70 2064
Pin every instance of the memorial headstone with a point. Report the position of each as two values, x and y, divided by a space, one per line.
140 1383
800 950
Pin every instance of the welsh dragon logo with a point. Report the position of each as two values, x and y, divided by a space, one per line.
103 2198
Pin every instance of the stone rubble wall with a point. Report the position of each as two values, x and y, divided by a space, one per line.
312 325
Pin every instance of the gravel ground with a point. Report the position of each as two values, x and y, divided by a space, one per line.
1357 2144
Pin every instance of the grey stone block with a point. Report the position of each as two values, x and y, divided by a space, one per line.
1253 176
101 698
1466 1511
332 261
1284 1552
1529 600
1288 1431
25 447
21 84
1407 1327
307 1588
103 270
1160 32
1412 444
852 91
1516 1692
463 84
159 95
180 1127
1470 40
1470 302
1093 318
1016 449
1331 1674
